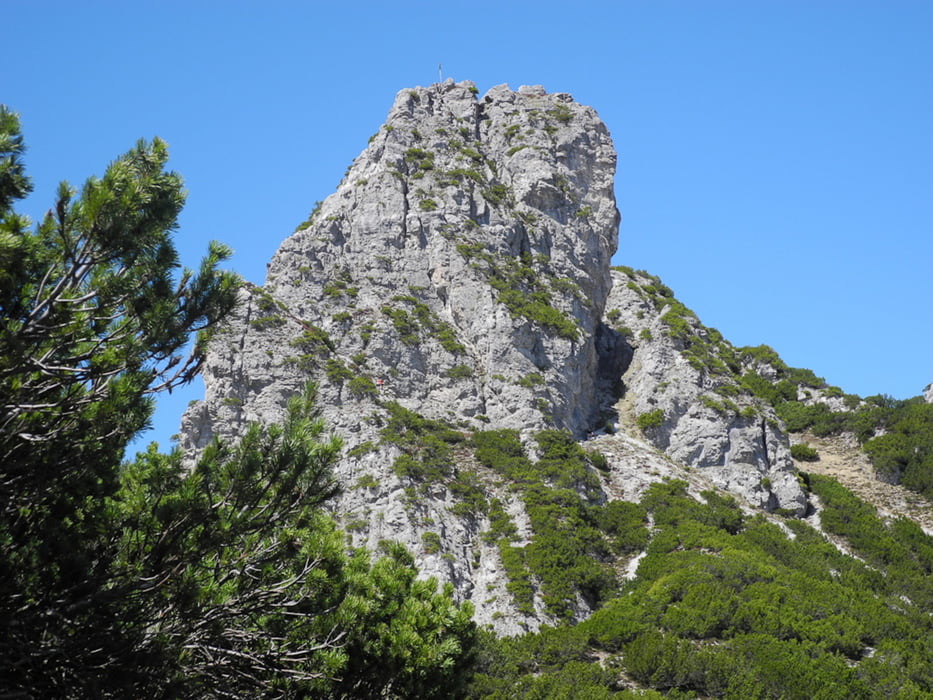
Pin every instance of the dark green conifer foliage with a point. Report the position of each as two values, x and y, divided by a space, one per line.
150 578
94 317
237 584
729 606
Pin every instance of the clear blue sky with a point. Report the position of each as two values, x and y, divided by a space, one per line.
774 155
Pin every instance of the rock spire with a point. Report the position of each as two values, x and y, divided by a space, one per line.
455 282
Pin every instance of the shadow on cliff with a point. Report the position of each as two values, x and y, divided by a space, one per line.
614 357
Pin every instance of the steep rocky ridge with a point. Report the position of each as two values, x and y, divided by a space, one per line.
682 388
456 282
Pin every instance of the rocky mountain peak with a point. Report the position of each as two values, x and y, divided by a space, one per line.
448 301
461 269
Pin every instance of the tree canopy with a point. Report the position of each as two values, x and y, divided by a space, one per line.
161 577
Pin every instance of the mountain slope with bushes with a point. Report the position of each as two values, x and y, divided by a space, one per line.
619 492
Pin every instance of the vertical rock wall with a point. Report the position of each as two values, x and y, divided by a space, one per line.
463 261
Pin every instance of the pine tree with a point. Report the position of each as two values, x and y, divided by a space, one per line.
95 319
153 578
239 585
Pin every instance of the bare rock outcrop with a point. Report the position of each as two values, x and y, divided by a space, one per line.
681 391
458 280
460 268
460 271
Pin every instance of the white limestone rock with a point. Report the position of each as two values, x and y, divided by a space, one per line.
461 270
455 204
705 420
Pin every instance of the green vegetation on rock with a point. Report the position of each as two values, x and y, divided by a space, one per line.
896 435
521 288
573 537
650 419
420 320
804 453
725 605
427 445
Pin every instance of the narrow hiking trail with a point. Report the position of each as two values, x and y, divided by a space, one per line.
841 458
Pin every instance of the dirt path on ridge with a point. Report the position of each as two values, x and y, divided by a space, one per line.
850 466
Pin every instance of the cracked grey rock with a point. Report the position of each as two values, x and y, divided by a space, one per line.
461 269
708 422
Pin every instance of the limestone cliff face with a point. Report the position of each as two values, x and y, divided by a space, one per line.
681 390
461 271
465 254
